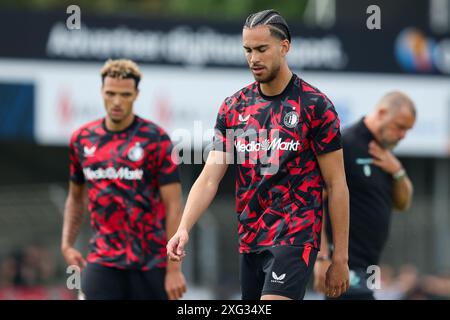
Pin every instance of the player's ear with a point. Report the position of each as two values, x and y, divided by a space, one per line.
285 46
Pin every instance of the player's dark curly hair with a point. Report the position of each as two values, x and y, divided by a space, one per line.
271 18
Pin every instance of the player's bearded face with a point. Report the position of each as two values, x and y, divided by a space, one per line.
119 96
262 52
272 71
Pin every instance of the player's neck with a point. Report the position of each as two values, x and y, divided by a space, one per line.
119 126
277 85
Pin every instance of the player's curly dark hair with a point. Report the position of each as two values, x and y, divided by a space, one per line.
271 18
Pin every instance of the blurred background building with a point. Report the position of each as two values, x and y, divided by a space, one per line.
191 56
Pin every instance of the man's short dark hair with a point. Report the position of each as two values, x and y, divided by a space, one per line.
271 18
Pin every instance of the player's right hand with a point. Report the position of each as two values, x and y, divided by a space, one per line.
73 257
175 246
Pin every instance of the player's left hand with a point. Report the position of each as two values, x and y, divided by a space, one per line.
384 158
175 283
320 271
337 279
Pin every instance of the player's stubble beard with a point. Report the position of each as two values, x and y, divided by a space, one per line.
116 121
121 119
271 76
273 73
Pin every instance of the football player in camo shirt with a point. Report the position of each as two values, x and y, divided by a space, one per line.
285 135
123 164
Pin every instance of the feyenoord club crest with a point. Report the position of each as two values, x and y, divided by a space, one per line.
291 119
136 153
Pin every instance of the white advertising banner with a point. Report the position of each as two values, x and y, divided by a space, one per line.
185 101
355 95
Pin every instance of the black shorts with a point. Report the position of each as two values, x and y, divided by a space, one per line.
105 283
282 270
